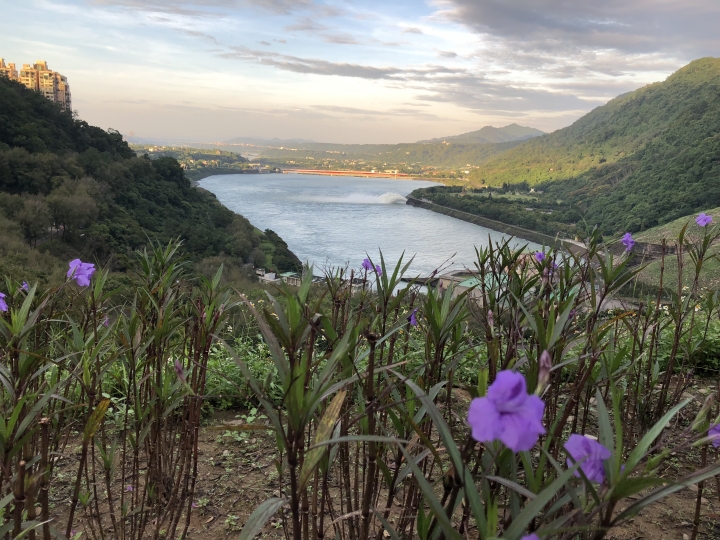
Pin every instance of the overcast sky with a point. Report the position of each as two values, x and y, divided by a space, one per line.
352 71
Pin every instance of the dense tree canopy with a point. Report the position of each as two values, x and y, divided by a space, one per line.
69 187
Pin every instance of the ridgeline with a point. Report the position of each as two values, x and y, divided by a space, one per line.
643 159
68 189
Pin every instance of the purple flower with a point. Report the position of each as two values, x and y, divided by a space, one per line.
412 319
367 265
714 432
25 287
81 272
539 256
128 487
378 270
3 303
590 453
106 321
532 536
703 220
628 241
507 413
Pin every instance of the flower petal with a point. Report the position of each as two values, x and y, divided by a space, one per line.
484 420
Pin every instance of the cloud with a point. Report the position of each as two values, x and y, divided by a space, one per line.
306 25
633 27
266 43
340 39
207 7
447 54
460 86
412 30
195 33
395 111
343 69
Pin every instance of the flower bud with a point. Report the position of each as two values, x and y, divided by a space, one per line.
701 421
179 370
544 372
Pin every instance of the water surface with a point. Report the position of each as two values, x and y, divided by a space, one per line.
336 220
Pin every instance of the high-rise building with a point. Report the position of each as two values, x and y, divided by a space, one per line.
29 77
40 78
8 70
63 92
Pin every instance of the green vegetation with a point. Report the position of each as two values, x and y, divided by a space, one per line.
490 134
199 163
514 205
412 158
645 158
68 189
409 413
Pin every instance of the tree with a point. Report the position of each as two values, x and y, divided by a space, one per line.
34 218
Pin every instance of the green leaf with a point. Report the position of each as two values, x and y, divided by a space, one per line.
660 493
323 433
642 447
531 510
512 485
435 507
386 526
260 516
95 420
431 498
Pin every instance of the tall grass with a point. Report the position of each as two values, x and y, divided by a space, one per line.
365 391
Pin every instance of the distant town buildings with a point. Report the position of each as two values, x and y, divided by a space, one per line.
40 78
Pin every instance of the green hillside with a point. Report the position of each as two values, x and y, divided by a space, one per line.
68 189
644 159
407 157
682 109
490 134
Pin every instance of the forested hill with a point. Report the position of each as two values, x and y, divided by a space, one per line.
68 189
490 134
644 158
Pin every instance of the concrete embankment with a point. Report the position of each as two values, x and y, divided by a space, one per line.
525 234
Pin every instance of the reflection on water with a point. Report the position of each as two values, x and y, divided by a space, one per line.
335 221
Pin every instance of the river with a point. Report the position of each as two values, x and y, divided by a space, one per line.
335 221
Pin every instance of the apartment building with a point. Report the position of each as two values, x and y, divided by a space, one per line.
40 78
8 70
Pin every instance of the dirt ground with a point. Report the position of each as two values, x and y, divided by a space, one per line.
237 472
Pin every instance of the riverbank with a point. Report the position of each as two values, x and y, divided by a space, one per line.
512 230
358 174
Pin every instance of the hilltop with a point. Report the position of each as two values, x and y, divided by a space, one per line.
69 189
490 134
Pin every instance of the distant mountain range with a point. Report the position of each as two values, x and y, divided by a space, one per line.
267 142
490 134
486 135
457 151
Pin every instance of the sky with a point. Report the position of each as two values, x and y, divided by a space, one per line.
364 71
